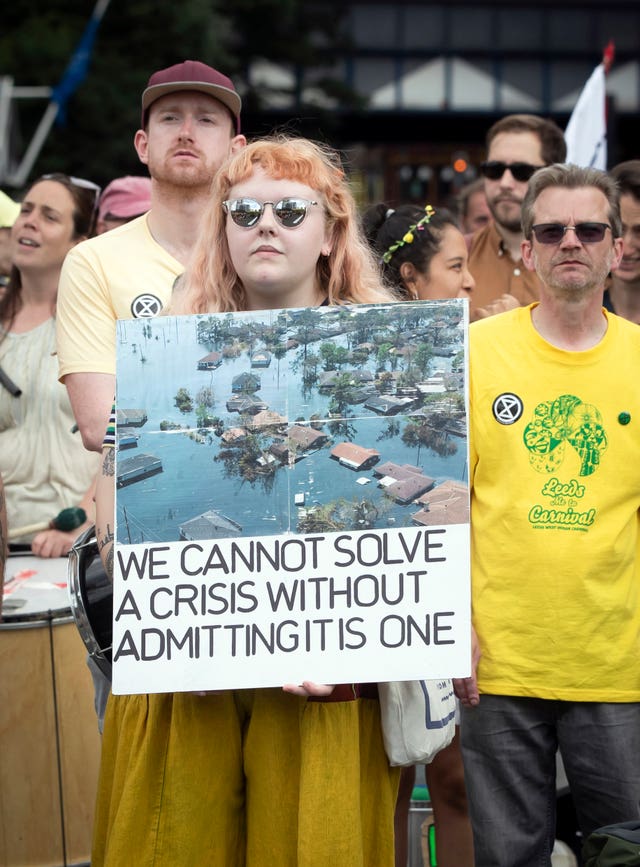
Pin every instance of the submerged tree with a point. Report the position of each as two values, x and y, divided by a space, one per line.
423 433
183 400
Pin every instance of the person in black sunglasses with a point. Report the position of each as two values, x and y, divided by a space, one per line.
555 520
623 292
517 145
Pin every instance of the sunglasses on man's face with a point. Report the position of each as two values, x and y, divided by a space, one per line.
495 169
553 233
247 213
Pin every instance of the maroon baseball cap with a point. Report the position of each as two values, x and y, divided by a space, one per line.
192 75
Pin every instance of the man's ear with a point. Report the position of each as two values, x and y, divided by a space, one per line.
526 251
616 255
237 143
141 144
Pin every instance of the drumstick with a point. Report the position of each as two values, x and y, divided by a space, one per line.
66 520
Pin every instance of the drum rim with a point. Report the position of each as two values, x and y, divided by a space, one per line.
35 621
78 603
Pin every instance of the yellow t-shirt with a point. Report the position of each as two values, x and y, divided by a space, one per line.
122 274
555 474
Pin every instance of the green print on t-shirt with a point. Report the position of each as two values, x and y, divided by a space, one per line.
565 421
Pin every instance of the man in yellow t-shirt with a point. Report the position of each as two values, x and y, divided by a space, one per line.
190 124
555 475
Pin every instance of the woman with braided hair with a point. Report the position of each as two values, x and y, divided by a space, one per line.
423 254
421 251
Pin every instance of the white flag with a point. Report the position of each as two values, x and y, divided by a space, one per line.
586 132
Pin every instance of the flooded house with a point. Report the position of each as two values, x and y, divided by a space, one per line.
403 351
388 404
260 358
403 482
434 384
447 503
407 490
266 462
209 525
280 451
300 440
131 417
210 361
127 439
355 457
267 418
136 468
389 469
245 382
245 404
328 378
306 438
233 435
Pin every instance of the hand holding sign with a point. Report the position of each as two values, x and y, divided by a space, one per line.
307 688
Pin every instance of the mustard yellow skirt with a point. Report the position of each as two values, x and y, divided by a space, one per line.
247 778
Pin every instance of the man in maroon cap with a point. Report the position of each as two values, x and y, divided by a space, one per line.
122 200
190 124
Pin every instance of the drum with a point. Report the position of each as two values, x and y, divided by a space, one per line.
91 597
49 741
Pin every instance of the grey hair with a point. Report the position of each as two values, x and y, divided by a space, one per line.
571 177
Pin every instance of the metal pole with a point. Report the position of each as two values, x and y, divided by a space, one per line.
6 86
19 177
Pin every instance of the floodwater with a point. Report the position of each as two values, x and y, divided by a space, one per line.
151 370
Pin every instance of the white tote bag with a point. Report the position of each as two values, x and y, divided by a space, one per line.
418 719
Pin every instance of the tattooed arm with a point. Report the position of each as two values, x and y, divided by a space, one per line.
105 508
3 539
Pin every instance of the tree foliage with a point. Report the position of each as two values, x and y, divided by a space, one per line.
136 37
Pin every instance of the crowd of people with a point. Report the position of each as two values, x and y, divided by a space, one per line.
548 256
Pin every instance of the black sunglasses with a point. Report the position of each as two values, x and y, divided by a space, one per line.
586 233
247 213
494 170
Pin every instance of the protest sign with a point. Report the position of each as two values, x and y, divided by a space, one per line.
291 498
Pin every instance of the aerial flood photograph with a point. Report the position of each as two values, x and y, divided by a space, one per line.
291 422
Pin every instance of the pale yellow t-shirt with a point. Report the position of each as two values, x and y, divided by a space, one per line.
122 274
555 473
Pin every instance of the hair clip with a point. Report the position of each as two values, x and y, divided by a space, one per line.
408 236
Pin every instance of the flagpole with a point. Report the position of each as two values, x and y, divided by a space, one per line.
586 131
72 77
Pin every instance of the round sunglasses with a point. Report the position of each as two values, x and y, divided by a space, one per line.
553 233
247 213
495 169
